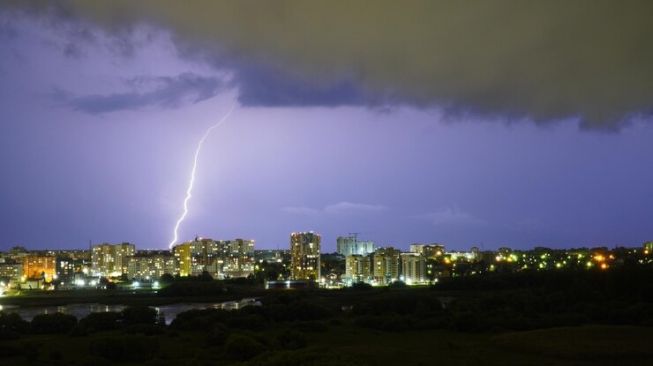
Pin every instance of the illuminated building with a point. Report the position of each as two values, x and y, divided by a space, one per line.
111 259
239 261
65 267
69 267
124 252
102 259
146 265
350 245
269 255
468 256
37 267
413 268
183 258
357 268
431 251
11 271
305 256
221 259
71 262
385 265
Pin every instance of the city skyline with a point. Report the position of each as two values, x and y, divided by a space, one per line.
367 246
541 142
326 182
301 264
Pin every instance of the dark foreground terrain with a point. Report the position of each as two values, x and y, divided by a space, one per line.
557 318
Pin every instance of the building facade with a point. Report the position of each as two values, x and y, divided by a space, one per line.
71 263
111 260
272 255
413 268
239 260
350 245
430 251
220 258
39 267
357 268
385 265
11 271
151 265
305 256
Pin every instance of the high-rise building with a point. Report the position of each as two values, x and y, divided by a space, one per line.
305 256
111 259
151 264
357 268
385 265
413 268
102 259
239 261
220 258
350 245
11 271
184 259
123 252
72 262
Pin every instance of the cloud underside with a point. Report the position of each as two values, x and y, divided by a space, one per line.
339 208
167 92
545 60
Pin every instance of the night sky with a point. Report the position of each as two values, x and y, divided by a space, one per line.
490 123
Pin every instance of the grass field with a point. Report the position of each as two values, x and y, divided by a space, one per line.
342 345
540 319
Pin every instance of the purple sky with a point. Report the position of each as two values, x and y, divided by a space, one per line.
98 128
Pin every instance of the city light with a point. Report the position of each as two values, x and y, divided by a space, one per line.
122 266
599 258
295 182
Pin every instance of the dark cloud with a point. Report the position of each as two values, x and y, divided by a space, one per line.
265 86
165 91
543 60
7 31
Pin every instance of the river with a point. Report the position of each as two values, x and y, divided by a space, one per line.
169 312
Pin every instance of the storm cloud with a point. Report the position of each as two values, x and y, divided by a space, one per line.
541 60
164 91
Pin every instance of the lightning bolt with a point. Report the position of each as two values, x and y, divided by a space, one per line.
191 183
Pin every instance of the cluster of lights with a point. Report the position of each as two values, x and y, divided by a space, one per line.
546 260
